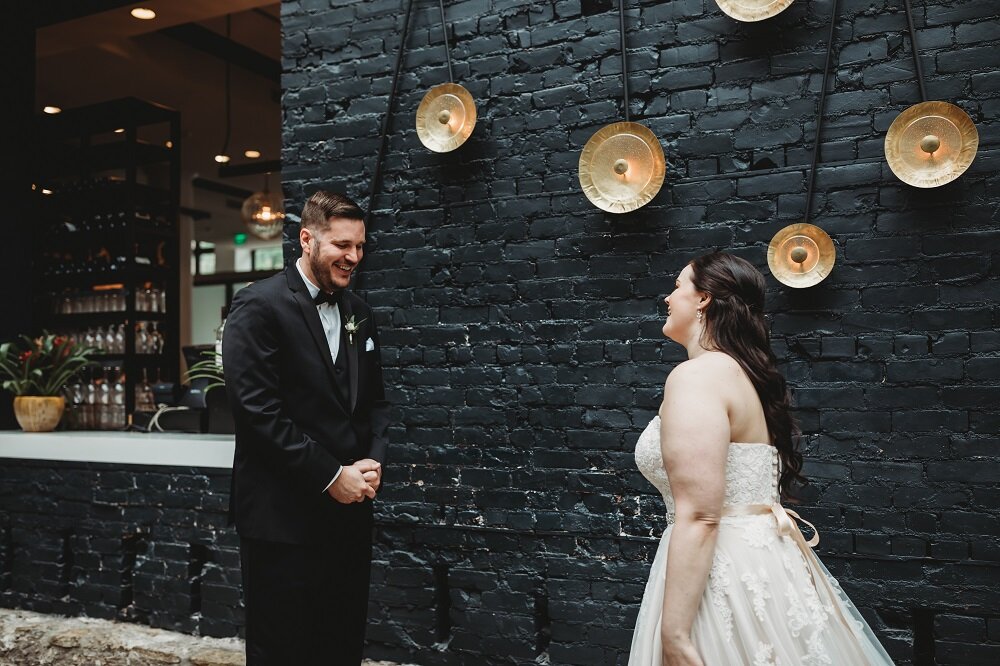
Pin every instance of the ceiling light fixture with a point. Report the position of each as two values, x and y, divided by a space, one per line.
52 110
262 213
120 130
252 154
143 13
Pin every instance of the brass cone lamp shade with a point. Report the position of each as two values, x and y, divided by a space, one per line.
446 117
801 255
752 10
262 214
622 167
931 144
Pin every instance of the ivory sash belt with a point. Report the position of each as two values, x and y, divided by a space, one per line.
786 526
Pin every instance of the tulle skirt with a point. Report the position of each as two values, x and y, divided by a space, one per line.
769 601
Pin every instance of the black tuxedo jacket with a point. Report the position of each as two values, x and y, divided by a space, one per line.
294 428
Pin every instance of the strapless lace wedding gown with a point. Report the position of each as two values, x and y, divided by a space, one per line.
769 601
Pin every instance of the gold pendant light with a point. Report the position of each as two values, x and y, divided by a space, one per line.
447 114
801 255
752 10
446 117
931 144
622 167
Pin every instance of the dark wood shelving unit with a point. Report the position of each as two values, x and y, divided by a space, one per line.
108 200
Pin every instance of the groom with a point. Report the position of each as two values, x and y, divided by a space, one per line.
302 369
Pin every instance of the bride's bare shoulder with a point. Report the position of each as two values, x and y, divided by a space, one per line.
709 368
694 374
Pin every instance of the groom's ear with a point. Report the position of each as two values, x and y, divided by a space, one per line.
305 238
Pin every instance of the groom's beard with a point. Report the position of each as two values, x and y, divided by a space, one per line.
322 272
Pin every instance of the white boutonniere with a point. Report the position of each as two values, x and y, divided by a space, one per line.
351 327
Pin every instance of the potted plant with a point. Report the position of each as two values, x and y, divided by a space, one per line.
220 417
36 373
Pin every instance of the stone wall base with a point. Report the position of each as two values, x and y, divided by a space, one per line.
34 639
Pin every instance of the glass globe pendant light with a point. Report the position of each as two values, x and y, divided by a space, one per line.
263 213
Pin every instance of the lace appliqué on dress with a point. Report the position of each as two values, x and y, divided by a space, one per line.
750 474
757 584
649 460
798 618
804 606
764 655
718 584
818 655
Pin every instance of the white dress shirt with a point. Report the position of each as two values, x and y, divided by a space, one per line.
329 316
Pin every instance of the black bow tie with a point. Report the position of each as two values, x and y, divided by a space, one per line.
332 299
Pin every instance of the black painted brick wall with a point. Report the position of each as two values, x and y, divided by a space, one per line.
521 329
521 325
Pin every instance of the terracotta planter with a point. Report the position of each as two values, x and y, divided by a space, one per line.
39 413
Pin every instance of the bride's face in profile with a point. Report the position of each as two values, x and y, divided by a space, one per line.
682 308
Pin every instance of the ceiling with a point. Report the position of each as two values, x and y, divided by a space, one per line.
179 60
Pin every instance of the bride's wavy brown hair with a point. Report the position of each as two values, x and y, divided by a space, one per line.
735 325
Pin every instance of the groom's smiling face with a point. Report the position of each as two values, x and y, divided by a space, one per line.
333 253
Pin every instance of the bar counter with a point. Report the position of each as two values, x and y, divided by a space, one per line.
127 448
120 525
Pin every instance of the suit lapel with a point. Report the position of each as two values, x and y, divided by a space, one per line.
311 315
352 351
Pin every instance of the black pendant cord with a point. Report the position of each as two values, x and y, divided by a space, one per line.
621 30
447 49
819 117
916 56
229 93
377 175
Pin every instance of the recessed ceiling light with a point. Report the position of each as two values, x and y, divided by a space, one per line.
252 154
120 130
222 159
52 109
45 191
168 143
143 14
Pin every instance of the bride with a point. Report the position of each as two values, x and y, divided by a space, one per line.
734 581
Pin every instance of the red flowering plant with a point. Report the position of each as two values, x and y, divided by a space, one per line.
41 366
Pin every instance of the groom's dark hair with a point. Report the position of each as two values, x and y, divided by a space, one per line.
323 206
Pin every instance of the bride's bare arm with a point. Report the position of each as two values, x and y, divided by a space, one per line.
694 437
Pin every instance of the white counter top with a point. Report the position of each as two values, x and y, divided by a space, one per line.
127 448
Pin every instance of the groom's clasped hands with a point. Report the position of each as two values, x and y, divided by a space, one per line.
357 481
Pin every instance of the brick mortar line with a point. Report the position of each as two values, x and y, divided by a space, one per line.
643 539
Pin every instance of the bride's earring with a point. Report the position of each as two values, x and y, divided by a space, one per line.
699 314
